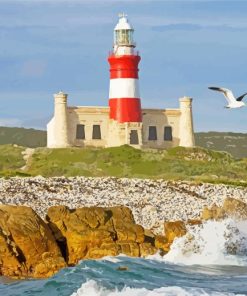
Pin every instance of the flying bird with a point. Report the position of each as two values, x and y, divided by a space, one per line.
232 101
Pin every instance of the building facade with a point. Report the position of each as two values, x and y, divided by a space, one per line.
124 121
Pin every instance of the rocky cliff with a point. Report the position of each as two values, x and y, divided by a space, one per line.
32 247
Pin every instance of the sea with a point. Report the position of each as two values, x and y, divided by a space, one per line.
208 260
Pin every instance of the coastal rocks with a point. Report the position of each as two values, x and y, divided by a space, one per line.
96 232
10 261
232 208
174 229
27 246
151 201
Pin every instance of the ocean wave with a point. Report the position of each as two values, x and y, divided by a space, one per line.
212 243
92 288
113 259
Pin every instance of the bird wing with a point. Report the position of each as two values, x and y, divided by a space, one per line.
226 92
239 99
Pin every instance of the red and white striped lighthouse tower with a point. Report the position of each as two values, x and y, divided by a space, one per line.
124 96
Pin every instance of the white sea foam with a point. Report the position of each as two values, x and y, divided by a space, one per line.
111 259
213 243
92 288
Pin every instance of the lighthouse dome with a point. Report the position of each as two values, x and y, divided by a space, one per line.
123 23
123 33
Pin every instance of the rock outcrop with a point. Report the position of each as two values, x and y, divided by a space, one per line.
27 246
32 247
232 208
96 232
172 230
151 201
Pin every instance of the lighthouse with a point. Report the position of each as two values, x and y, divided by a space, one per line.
123 121
124 95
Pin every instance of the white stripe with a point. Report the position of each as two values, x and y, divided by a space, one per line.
124 88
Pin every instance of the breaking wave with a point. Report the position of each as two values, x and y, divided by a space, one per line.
212 243
92 288
210 260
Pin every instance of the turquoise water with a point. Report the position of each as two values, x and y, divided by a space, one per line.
209 260
143 277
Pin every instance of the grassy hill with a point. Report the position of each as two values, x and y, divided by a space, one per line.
234 143
197 164
22 136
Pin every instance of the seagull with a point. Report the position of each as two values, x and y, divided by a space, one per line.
232 101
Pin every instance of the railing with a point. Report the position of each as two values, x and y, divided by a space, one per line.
113 52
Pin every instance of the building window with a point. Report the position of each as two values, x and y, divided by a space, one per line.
134 137
152 135
168 133
80 131
96 132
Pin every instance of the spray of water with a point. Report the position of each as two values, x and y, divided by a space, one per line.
212 243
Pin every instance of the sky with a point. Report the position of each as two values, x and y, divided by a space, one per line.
52 45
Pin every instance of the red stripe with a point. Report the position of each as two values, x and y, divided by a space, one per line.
125 110
125 66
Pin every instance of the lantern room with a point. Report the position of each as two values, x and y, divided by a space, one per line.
123 32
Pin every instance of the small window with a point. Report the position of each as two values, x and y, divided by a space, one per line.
80 131
96 132
134 137
152 136
168 133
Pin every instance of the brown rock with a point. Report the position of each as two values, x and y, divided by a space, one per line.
193 222
162 243
124 225
173 230
25 240
95 232
232 208
9 263
129 248
123 268
215 213
147 249
106 249
235 208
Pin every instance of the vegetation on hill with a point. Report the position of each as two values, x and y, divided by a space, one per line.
11 160
234 143
178 163
22 137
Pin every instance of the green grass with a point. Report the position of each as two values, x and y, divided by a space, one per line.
11 157
195 164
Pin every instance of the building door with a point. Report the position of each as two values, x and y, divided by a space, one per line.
134 137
